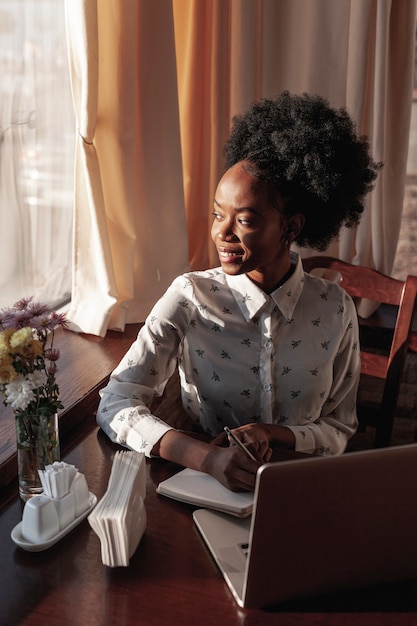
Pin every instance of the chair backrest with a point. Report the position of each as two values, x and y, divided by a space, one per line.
364 282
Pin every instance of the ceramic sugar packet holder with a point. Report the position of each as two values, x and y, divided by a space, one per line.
51 515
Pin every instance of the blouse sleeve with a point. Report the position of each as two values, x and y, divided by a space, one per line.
142 374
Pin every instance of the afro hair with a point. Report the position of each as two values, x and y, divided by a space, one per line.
312 155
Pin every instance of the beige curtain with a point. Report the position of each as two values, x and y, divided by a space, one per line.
152 130
130 234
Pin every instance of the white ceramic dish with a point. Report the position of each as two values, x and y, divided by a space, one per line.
20 541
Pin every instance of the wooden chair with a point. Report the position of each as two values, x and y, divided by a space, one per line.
363 282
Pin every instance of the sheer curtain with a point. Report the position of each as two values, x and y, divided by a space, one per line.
36 153
180 70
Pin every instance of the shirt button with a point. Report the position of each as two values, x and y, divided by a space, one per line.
267 387
268 343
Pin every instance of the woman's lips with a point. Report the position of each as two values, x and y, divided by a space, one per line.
229 256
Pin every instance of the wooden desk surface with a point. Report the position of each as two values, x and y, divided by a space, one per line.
171 579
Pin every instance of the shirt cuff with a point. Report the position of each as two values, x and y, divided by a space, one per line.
137 431
304 439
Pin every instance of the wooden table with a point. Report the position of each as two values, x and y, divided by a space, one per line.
171 579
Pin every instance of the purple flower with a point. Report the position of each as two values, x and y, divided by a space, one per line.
19 319
52 368
37 308
58 320
41 322
52 354
5 316
22 304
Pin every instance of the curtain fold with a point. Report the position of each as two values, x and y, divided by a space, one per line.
129 234
164 78
93 288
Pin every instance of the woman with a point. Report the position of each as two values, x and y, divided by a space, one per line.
261 347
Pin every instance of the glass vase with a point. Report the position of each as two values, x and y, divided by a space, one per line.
37 439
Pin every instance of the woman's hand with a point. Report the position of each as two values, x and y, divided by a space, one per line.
256 439
264 437
231 467
252 436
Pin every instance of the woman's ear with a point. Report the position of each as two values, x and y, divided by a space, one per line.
295 225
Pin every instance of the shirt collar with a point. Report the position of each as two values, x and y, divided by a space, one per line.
251 299
288 294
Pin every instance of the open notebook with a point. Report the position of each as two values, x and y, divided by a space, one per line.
319 525
201 489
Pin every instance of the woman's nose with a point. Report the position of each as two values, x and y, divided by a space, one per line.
226 232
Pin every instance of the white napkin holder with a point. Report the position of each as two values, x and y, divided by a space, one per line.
65 498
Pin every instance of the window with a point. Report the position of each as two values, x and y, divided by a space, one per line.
37 137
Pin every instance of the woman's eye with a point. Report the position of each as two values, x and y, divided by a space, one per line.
216 216
244 222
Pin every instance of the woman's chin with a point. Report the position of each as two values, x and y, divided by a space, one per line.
232 268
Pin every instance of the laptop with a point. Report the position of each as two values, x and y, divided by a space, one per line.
320 525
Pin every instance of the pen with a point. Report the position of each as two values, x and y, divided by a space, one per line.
239 443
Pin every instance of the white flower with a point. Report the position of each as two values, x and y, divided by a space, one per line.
19 393
37 379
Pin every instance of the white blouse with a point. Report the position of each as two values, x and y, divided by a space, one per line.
289 358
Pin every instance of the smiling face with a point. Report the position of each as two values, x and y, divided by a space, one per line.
251 235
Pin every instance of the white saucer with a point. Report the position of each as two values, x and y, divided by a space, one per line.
19 540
